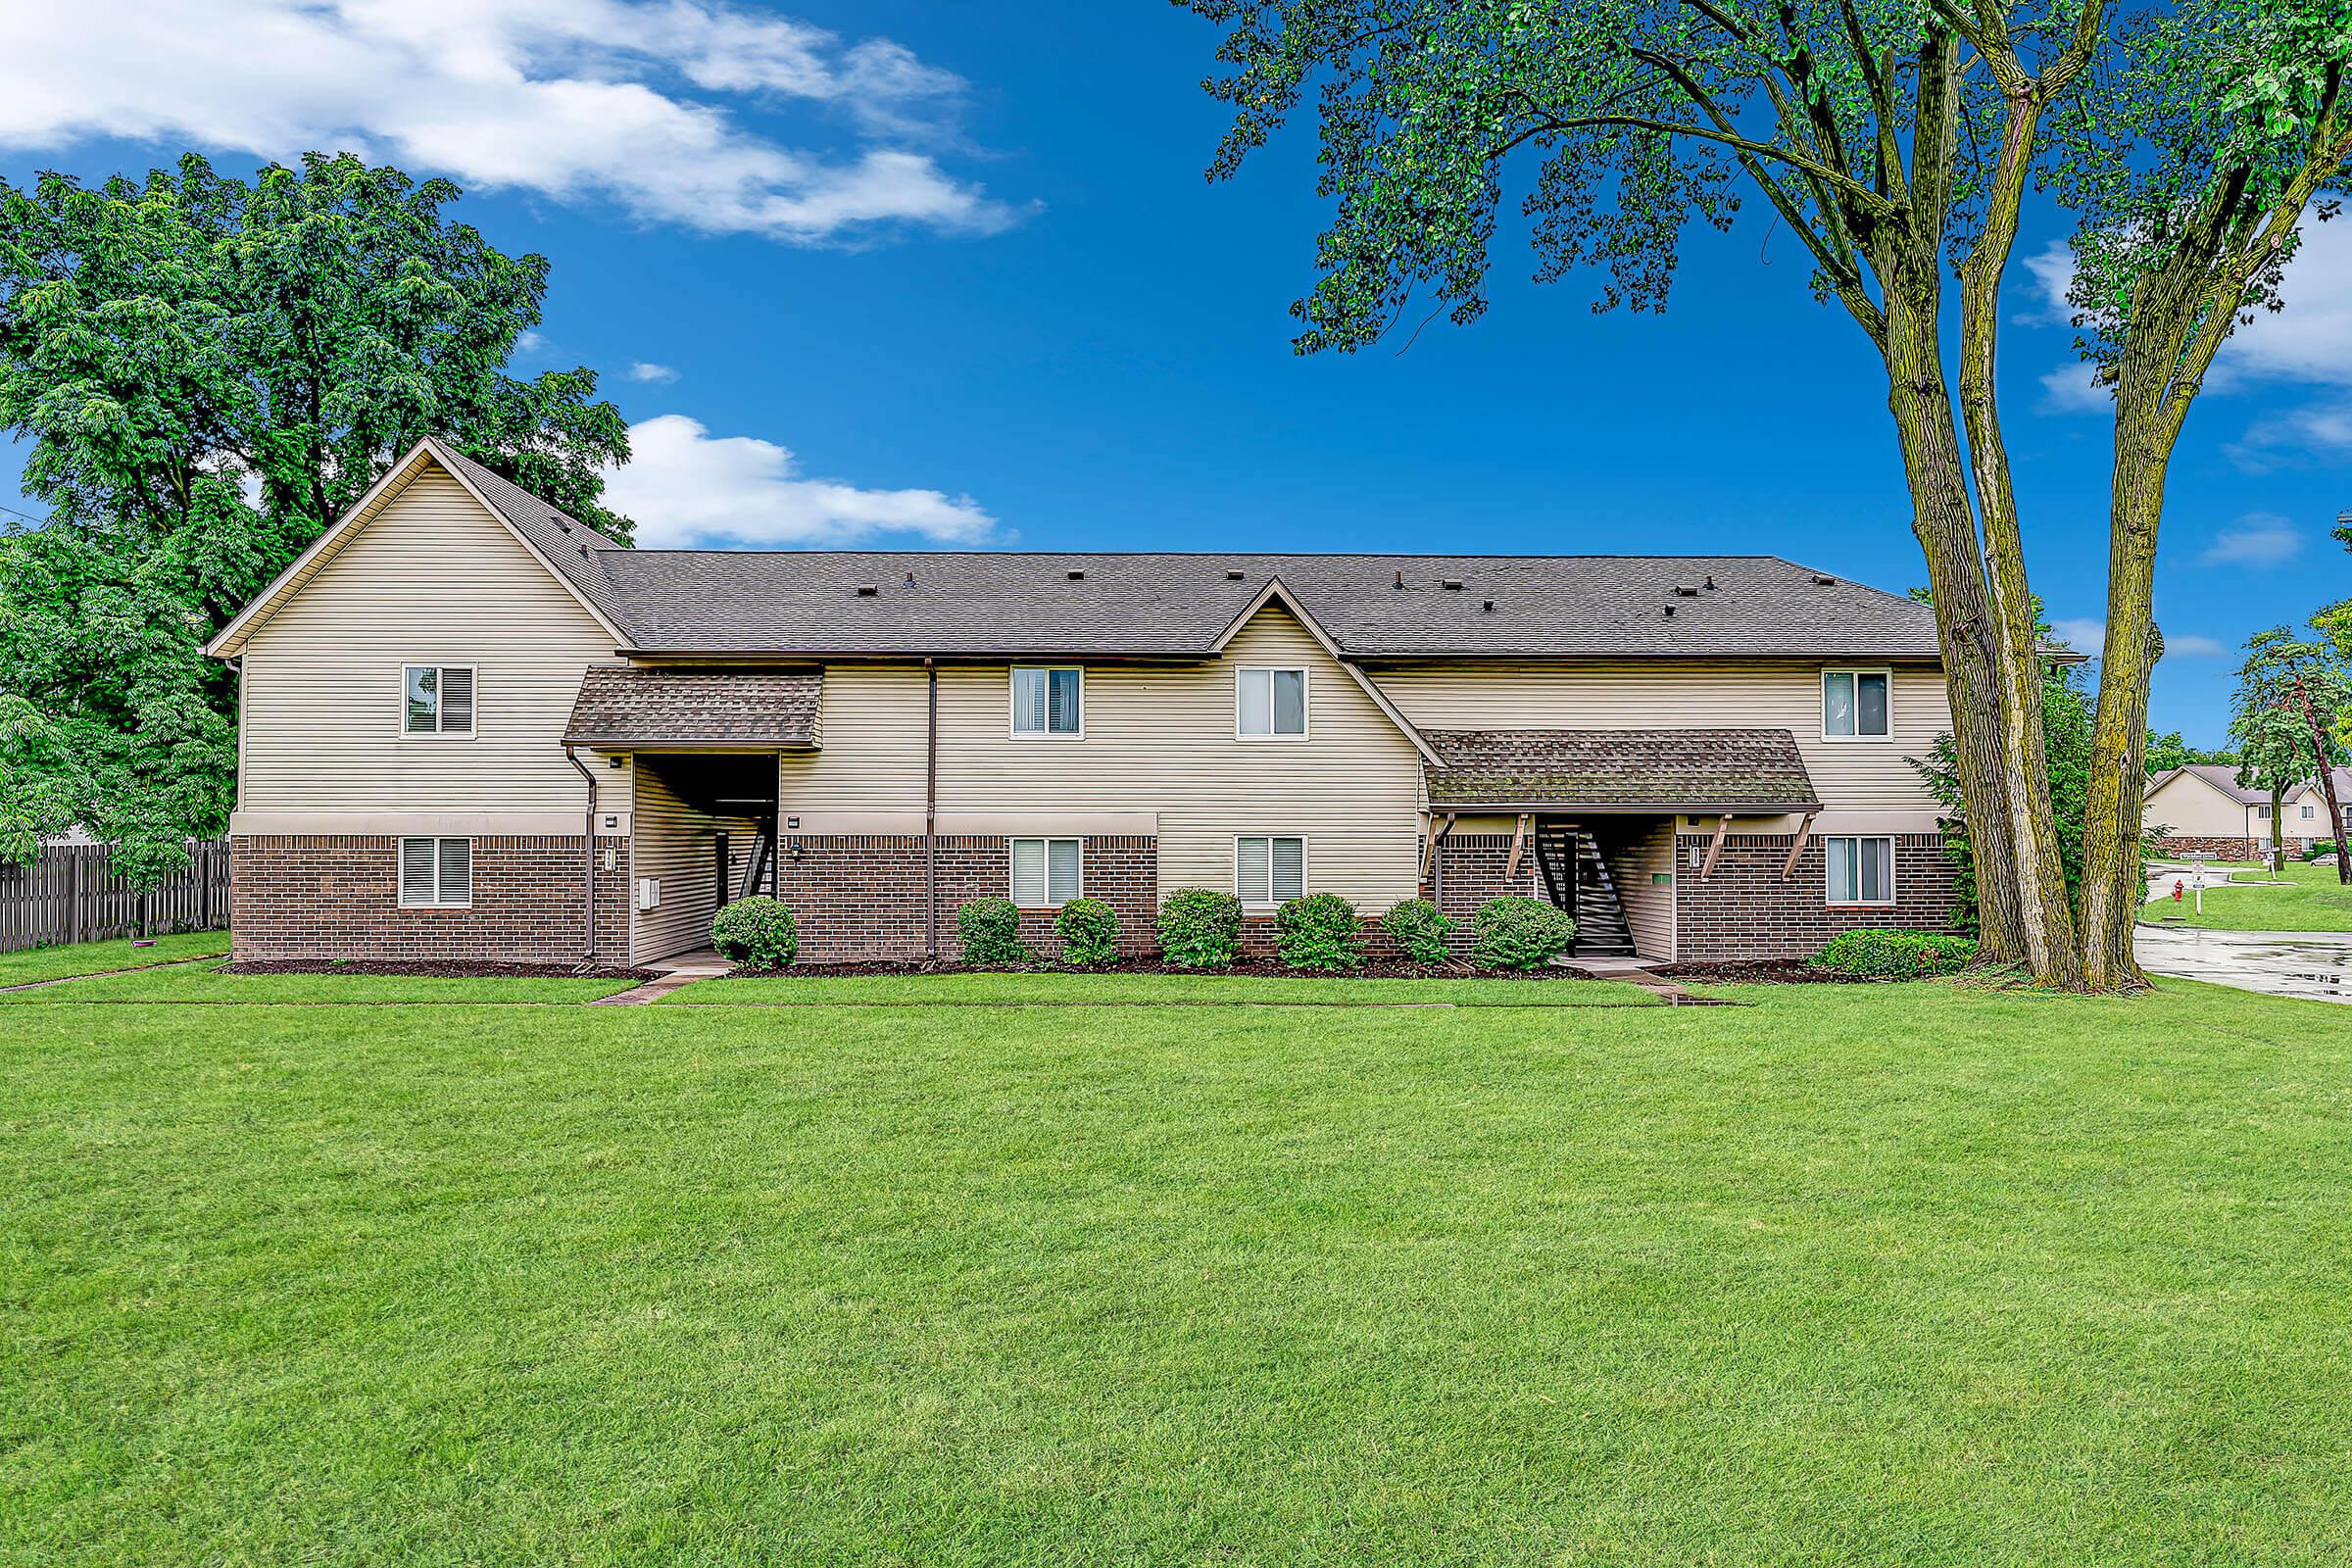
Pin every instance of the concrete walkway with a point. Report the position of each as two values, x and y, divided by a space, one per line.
669 974
2315 965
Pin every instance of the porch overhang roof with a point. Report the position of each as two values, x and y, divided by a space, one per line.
652 708
1748 771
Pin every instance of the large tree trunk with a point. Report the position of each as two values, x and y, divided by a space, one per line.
2112 872
2321 744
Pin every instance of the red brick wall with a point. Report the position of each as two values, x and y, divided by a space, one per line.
330 896
2228 849
1744 910
860 896
1470 867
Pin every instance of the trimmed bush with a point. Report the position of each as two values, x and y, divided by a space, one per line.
991 929
1515 932
1321 931
1880 955
1419 929
1200 928
755 934
1088 930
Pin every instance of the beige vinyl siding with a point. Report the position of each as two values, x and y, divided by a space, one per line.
671 840
2190 808
1852 775
1649 904
434 579
1158 740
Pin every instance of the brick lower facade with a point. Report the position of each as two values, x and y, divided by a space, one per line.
1470 871
1746 910
860 896
2228 849
334 895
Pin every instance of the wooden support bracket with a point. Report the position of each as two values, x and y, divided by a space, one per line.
1723 828
1510 871
1429 849
1804 834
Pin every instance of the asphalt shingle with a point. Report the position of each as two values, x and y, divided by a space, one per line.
1662 769
659 705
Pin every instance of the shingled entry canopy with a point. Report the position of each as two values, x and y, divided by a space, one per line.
1620 770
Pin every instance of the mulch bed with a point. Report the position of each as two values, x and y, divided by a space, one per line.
1759 972
1248 968
453 969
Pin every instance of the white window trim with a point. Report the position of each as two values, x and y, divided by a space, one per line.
1306 711
1306 870
400 852
1048 841
1012 705
400 718
1893 891
1821 694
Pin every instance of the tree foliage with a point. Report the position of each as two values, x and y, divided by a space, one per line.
2169 750
208 372
2288 718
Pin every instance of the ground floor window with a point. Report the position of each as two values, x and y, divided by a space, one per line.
1044 872
1861 870
1269 870
436 873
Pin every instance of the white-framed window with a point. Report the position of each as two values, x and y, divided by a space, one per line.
436 873
437 699
2262 813
1044 872
1049 701
1861 869
1269 869
2308 812
1269 703
1856 704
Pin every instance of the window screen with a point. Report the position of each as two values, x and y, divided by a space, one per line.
436 873
1271 870
437 700
1271 702
1853 703
1861 870
1048 702
1044 872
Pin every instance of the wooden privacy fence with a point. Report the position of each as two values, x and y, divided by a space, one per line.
71 894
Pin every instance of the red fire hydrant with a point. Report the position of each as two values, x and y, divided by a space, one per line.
2177 887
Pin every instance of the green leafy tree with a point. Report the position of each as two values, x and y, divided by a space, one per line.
2169 750
1896 141
2288 715
209 372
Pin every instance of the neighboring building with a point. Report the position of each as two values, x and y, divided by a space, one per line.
472 727
2202 808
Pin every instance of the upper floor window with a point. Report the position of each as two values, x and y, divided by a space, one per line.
437 700
2308 812
1044 872
1269 703
1049 702
1855 705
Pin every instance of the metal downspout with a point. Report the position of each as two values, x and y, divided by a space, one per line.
588 835
931 811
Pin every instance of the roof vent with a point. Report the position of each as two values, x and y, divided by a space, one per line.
910 579
1452 582
1685 590
1487 606
1075 573
1709 585
583 551
1400 580
1670 611
867 590
1823 579
1232 574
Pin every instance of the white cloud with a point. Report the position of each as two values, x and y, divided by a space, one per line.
654 375
2294 437
2088 634
2257 539
685 486
572 99
2070 389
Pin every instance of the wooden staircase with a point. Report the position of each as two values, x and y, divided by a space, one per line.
1577 879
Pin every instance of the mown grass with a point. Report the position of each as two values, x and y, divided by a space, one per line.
94 958
204 983
2311 900
1897 1274
1113 987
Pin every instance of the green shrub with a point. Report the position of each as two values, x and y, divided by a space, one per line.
1418 928
1880 955
1321 931
991 929
1200 928
2323 850
755 934
1520 933
1088 930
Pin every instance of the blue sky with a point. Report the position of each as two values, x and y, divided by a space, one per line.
903 272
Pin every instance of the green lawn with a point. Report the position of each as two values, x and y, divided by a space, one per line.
92 957
1127 989
202 983
1853 1275
2312 901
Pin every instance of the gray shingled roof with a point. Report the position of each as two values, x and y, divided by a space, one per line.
2223 776
1621 770
658 705
1174 605
577 550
